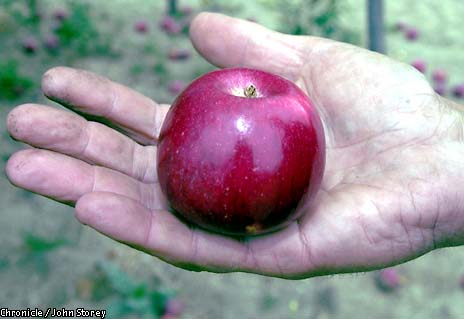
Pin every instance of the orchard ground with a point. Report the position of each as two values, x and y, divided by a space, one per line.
57 266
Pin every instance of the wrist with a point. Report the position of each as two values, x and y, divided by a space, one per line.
449 227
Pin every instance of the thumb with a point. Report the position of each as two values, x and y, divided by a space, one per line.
231 42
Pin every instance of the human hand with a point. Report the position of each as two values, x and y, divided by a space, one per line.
392 184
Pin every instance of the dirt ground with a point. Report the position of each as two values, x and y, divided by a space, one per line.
430 287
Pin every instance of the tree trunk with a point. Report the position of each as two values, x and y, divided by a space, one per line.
172 7
376 26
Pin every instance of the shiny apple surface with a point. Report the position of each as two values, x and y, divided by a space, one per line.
238 150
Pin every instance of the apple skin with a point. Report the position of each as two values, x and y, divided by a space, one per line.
439 76
240 165
420 65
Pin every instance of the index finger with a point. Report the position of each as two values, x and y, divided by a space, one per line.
93 95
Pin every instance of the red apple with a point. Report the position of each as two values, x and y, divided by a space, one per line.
52 42
420 65
178 54
174 307
60 14
30 45
175 86
411 34
439 76
388 279
458 91
187 10
239 150
141 26
169 25
461 282
440 88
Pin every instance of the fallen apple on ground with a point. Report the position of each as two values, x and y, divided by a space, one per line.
239 150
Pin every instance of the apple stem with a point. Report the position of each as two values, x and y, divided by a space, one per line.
250 91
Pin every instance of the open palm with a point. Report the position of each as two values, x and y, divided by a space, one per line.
385 193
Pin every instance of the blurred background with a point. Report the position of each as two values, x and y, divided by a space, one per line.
47 259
